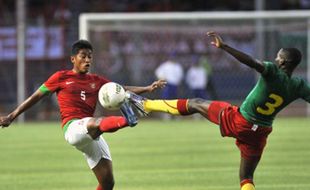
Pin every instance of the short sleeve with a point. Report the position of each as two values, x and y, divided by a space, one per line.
52 84
270 69
44 90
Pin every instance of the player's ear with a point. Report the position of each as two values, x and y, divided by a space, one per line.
72 58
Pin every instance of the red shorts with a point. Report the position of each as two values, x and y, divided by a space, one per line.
250 139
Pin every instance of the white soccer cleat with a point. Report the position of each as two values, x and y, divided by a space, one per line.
137 101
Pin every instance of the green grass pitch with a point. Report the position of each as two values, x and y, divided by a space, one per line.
155 155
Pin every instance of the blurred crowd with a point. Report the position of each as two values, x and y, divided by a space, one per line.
66 12
62 9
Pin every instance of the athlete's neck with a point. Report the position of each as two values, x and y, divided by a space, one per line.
79 72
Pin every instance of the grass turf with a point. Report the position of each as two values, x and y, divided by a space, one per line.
155 155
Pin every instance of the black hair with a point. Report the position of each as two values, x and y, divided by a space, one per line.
80 44
294 55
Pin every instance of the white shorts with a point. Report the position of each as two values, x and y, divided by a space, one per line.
93 149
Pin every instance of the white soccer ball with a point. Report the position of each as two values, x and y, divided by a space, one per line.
111 95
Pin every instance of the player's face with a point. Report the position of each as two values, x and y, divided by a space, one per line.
82 61
280 59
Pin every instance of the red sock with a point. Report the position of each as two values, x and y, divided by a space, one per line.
112 123
99 187
182 106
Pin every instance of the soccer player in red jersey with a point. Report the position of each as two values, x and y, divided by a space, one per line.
77 92
251 123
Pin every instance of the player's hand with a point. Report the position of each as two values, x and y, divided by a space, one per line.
218 42
5 121
157 84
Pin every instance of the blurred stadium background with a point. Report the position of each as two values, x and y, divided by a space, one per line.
129 51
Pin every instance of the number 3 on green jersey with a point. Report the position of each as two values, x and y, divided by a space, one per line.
270 107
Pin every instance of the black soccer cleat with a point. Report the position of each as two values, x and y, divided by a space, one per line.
129 114
137 101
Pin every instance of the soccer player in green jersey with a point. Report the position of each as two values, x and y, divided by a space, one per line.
251 123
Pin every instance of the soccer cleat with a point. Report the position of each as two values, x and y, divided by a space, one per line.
137 101
129 114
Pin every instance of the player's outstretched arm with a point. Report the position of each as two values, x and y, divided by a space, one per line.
240 56
5 121
150 88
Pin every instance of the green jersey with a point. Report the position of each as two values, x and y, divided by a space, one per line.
273 91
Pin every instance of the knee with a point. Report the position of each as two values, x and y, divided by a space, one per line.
197 101
198 104
93 127
78 141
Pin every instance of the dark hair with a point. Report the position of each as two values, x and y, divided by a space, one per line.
294 55
80 44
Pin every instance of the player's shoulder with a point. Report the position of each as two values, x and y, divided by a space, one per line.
62 72
63 75
269 68
269 65
299 84
298 80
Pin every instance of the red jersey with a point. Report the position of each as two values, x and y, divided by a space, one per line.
77 94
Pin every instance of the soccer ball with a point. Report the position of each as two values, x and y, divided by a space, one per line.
111 95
